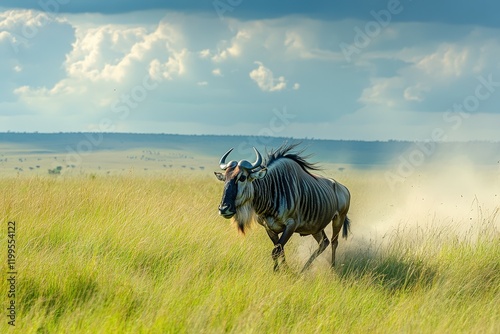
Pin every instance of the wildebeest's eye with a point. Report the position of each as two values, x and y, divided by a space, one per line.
242 178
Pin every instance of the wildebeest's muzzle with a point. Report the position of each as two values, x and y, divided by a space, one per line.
227 207
226 211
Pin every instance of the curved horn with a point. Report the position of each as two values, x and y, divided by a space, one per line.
222 162
249 166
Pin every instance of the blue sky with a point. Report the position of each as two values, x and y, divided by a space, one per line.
369 70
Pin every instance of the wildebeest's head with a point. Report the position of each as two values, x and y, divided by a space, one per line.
238 191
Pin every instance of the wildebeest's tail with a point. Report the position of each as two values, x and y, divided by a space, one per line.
346 228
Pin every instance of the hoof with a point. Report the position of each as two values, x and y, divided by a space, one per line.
277 251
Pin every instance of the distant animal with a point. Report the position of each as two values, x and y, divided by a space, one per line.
285 197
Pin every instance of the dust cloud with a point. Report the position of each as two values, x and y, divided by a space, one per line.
454 196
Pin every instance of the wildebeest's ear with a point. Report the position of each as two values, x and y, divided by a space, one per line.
258 174
219 176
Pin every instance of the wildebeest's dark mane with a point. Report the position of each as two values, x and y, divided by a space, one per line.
285 152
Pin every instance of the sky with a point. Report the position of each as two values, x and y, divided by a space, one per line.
363 70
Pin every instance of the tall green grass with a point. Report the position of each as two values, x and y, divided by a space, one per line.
138 254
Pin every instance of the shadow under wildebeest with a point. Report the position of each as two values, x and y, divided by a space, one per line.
387 269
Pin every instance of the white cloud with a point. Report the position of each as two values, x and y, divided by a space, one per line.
29 20
430 78
109 58
282 38
22 28
6 36
264 78
205 53
110 52
172 67
415 93
297 45
296 86
383 92
217 72
448 61
234 49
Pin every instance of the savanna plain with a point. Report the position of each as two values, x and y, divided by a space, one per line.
137 252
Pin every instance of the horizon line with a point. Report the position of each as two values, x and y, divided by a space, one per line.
243 135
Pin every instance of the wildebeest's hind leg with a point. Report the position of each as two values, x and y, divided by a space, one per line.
337 222
323 242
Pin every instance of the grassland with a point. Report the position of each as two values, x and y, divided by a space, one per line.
148 254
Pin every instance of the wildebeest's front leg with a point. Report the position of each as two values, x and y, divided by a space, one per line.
279 247
277 251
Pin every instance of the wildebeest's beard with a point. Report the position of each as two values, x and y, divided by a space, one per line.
244 210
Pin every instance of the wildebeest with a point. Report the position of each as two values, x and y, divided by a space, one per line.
285 197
